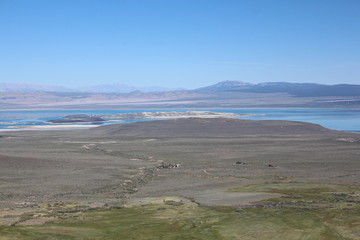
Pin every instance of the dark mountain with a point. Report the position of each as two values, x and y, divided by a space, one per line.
295 89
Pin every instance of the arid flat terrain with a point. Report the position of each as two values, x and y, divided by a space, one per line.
215 168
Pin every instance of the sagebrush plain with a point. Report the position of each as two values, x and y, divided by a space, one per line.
181 179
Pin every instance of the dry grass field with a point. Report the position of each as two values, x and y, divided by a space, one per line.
181 179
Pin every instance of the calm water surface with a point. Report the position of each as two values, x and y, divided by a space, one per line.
338 119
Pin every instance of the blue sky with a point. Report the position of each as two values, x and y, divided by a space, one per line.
179 43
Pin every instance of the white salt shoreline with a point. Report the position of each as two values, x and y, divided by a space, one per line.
49 127
172 115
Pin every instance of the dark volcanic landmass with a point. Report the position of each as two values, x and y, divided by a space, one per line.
78 118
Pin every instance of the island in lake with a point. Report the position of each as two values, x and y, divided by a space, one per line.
98 119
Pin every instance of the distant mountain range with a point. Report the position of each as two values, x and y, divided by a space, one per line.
226 94
104 88
295 89
30 87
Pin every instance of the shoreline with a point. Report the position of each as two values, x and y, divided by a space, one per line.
50 127
245 113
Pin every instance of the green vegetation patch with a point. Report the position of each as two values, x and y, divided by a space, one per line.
311 192
336 206
300 188
305 211
188 221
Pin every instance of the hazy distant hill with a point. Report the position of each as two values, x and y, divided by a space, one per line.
227 85
103 88
122 88
30 87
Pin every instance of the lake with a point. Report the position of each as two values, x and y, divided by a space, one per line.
338 119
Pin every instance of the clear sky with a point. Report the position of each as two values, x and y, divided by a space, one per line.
179 43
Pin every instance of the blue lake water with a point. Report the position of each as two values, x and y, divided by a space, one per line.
338 119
